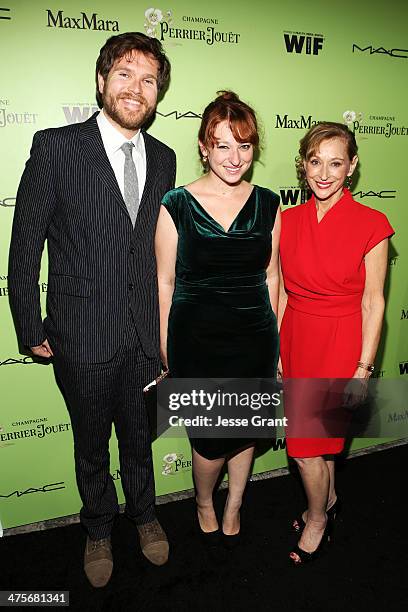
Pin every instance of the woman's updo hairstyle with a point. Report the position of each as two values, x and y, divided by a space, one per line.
241 120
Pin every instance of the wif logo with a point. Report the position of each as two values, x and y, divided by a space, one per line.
403 368
5 14
404 314
291 196
309 44
78 112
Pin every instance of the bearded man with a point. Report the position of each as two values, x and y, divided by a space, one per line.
93 190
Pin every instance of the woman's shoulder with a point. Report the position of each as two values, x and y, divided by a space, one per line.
174 201
368 214
173 194
267 193
294 212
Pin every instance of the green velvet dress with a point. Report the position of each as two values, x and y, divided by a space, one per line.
221 323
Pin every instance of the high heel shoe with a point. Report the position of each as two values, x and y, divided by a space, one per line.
307 557
332 514
231 541
299 524
210 538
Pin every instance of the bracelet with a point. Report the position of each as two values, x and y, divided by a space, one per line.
366 366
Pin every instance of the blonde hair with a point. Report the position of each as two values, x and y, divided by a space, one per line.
311 141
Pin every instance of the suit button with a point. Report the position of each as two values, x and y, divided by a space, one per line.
132 250
131 286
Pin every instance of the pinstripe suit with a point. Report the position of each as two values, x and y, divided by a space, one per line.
102 312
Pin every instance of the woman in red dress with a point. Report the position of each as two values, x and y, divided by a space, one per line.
334 258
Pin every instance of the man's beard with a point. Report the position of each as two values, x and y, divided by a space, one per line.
127 119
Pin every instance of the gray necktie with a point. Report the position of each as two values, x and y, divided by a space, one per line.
131 185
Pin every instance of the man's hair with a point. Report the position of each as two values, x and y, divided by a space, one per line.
123 45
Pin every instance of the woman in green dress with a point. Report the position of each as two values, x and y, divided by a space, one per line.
217 245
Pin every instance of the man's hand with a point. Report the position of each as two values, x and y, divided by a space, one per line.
43 350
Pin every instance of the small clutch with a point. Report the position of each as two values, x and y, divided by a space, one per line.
150 399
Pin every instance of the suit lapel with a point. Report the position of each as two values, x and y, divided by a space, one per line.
152 167
95 155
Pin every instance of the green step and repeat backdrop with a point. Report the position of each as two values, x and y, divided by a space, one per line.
297 63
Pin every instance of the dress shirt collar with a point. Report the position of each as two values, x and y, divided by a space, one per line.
111 137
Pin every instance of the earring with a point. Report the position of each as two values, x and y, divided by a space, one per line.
205 159
349 181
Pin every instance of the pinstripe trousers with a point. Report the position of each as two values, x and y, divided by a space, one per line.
98 395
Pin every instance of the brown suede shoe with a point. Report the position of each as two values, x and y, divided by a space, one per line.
98 562
153 542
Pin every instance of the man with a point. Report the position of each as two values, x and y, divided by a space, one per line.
93 191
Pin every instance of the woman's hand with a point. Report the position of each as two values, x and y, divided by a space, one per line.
163 356
356 390
280 370
166 250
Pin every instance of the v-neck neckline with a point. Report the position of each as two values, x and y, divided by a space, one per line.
215 220
344 197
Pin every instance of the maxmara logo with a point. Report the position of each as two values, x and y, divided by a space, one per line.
159 24
303 42
299 123
82 22
372 50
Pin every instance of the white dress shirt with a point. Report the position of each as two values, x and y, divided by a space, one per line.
112 141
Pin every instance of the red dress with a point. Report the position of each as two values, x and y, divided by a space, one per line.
324 275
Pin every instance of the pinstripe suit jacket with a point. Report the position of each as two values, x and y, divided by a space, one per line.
99 266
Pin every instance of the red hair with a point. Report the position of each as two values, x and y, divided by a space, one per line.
241 120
